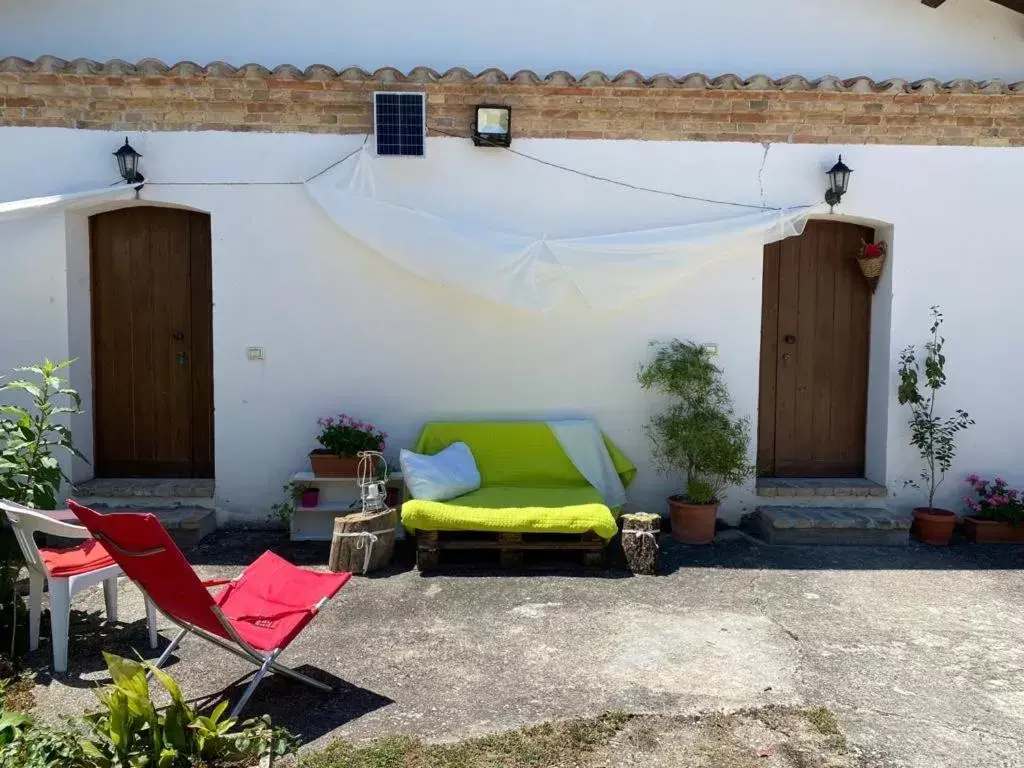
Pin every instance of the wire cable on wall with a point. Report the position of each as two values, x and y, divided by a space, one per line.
525 155
619 182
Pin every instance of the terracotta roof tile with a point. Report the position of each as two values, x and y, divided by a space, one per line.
525 78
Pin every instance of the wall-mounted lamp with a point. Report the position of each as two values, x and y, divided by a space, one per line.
128 163
493 126
838 181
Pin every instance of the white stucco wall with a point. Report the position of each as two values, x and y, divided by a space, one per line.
287 279
878 38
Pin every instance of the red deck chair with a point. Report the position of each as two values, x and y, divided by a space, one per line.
255 616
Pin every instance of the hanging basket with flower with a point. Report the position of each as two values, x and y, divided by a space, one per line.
871 259
343 438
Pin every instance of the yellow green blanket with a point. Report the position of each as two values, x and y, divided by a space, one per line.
528 483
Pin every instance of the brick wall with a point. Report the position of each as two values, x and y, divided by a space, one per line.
150 96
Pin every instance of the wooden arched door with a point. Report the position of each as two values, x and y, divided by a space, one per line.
152 331
815 334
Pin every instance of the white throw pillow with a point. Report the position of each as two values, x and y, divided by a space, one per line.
440 477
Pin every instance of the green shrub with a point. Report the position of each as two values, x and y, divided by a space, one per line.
38 746
30 474
130 731
699 434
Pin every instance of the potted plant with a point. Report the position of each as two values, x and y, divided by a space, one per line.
933 436
698 434
342 438
998 513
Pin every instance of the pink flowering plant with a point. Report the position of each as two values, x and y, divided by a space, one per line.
995 500
344 436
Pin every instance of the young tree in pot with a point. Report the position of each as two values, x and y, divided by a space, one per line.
699 435
933 436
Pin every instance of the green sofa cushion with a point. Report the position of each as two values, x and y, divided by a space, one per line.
516 453
528 483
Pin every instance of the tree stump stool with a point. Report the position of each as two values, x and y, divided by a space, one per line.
363 542
641 542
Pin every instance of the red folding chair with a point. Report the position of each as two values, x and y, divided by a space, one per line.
255 616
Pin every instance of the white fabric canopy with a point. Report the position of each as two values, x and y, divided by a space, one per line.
584 445
535 273
33 205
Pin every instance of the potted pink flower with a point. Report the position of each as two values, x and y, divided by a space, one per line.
997 512
343 438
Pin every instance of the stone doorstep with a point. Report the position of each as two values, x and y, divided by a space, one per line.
799 487
850 526
145 488
834 517
187 525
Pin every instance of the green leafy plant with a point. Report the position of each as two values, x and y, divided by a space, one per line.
344 436
31 407
130 732
699 434
282 511
36 745
933 436
29 436
12 726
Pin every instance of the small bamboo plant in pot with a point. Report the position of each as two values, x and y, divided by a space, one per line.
933 436
698 435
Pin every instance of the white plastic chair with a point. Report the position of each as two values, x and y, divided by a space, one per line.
27 522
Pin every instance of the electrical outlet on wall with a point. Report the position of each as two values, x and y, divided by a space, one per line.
255 354
711 348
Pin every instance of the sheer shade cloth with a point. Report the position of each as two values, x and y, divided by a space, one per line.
33 205
534 273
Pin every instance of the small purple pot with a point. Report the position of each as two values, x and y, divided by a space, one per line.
310 497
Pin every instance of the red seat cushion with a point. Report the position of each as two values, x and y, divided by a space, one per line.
71 561
273 600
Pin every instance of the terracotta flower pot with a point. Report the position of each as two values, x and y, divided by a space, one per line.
310 497
934 526
982 531
692 523
326 464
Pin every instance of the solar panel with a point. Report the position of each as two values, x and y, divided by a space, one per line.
399 124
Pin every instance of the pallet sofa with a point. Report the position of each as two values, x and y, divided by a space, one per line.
531 497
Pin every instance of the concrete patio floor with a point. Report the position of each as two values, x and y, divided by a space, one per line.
919 651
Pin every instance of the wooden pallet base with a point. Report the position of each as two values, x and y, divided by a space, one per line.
510 546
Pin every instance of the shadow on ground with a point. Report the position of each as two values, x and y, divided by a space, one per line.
740 552
304 711
301 709
732 549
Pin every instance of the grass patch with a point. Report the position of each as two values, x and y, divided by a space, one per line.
824 720
790 737
533 747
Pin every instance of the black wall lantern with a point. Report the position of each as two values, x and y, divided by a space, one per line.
493 126
128 163
838 181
